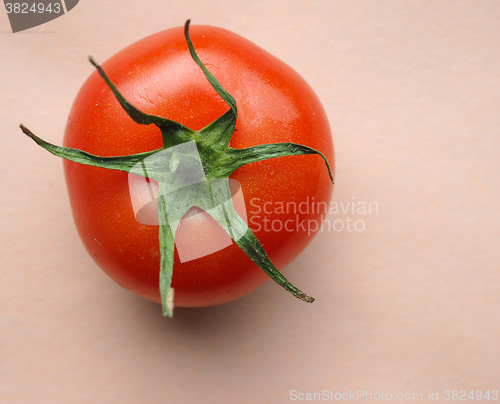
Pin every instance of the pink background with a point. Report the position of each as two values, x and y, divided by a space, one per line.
409 304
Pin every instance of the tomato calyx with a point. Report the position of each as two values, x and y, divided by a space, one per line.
192 169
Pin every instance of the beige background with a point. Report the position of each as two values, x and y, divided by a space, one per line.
409 304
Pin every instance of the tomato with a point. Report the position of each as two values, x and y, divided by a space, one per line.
284 199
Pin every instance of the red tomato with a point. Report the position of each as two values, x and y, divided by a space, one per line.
285 197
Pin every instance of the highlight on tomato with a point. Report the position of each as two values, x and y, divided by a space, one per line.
196 162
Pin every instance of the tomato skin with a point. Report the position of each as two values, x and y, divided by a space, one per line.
158 76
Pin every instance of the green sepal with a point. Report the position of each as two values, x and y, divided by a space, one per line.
172 132
216 136
121 163
239 231
166 239
210 77
222 129
236 158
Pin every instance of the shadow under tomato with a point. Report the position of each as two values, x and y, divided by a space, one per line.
202 321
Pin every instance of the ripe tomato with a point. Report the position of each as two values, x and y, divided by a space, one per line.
285 198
